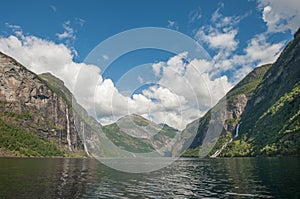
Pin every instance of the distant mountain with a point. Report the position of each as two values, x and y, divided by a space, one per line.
136 134
265 104
40 117
37 116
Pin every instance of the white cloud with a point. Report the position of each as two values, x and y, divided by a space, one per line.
219 40
280 15
173 101
260 50
221 33
195 15
40 55
167 98
187 90
157 68
68 32
12 26
15 28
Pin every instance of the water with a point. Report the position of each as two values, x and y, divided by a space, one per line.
186 178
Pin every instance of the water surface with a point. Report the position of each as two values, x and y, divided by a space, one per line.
185 178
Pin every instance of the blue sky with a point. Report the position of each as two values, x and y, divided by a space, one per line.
57 36
95 21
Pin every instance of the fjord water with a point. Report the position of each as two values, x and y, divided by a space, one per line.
186 178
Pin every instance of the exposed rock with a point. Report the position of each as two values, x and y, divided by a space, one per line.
48 106
266 103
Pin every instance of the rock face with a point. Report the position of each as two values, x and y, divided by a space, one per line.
233 105
266 104
46 104
238 97
271 120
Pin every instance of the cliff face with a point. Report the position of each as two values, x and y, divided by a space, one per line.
234 104
266 104
271 120
33 104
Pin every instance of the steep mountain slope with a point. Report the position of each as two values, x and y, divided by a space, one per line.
138 135
266 104
271 120
40 117
36 115
236 101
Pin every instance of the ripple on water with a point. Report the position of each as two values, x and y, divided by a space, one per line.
185 178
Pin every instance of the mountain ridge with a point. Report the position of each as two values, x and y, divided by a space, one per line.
40 117
33 106
274 89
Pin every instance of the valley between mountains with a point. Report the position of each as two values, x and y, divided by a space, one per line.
39 117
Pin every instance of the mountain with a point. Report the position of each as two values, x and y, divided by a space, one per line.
136 134
271 120
234 104
263 113
38 115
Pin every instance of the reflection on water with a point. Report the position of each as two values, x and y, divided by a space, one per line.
186 178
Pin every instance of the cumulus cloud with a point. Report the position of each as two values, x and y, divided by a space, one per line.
221 36
260 50
173 101
219 40
221 33
187 89
280 15
257 52
42 56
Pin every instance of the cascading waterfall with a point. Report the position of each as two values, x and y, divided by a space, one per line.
237 130
68 129
218 152
84 140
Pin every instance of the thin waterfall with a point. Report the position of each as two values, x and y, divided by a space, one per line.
84 140
237 130
218 152
68 128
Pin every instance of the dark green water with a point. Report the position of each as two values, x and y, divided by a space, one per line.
186 178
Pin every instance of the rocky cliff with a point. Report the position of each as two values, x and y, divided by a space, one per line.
41 107
266 104
271 120
233 105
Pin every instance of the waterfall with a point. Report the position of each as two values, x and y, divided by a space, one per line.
68 128
237 130
218 152
84 140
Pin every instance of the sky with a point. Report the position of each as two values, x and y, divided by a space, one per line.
169 61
